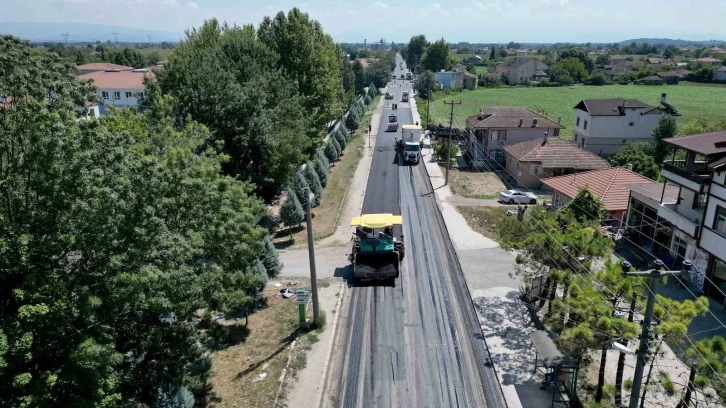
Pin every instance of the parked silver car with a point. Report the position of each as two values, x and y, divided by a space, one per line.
517 197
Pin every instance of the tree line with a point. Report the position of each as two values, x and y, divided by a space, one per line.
121 237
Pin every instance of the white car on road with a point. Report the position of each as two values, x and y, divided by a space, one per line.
517 197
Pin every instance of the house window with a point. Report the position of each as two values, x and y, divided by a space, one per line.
585 127
631 124
699 202
117 95
578 122
575 137
719 222
104 94
129 95
499 135
535 169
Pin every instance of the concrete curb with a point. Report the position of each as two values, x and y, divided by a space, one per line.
319 394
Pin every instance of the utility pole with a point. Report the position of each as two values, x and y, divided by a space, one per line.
621 358
645 337
448 146
115 36
311 252
149 37
65 37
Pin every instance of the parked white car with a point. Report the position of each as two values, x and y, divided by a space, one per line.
517 197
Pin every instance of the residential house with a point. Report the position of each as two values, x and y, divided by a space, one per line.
720 74
698 168
470 81
474 59
615 72
518 70
669 77
522 53
450 79
684 73
652 80
609 185
711 61
100 66
535 159
604 126
495 127
365 62
656 61
118 88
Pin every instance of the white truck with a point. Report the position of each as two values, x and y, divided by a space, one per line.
411 138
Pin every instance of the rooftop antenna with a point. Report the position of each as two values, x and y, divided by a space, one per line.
65 36
115 36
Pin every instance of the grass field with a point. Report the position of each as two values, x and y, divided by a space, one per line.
480 69
695 103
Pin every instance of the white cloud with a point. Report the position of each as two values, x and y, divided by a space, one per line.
379 4
436 6
494 5
564 2
192 5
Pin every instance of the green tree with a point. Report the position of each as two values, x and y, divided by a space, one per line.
270 258
309 57
597 78
330 152
320 154
348 80
493 54
352 121
640 155
579 55
337 146
437 56
425 84
299 185
503 53
341 139
367 100
174 397
321 169
359 76
291 212
378 73
314 182
586 207
667 128
572 67
225 78
415 50
603 59
707 368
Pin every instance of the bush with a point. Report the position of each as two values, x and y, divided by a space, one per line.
321 170
330 152
597 78
352 121
345 133
441 151
314 182
177 396
338 148
323 159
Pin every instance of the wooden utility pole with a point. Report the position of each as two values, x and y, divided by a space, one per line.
311 254
621 358
448 147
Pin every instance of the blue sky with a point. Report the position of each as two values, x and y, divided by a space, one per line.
462 20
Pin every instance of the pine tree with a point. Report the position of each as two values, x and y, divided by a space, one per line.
338 148
299 184
345 133
269 256
341 140
323 159
330 152
372 90
352 121
321 170
367 100
291 212
314 182
174 397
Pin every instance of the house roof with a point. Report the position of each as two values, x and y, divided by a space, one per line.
652 78
707 144
609 107
102 66
718 165
366 62
654 191
515 62
509 117
470 75
606 184
555 153
722 69
117 79
708 59
653 60
669 74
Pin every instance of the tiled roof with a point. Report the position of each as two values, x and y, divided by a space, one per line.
707 144
102 66
508 117
555 153
117 79
654 191
609 107
606 184
668 74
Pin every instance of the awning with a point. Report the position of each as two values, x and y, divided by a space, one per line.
376 220
548 352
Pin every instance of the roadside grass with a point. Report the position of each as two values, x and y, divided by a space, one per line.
325 216
695 103
484 219
474 183
236 369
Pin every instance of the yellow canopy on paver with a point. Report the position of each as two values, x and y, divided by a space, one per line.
376 220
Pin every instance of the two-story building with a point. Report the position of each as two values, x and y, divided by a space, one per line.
604 126
118 88
519 70
495 127
698 168
531 161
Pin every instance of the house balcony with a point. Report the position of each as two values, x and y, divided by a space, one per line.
693 175
680 221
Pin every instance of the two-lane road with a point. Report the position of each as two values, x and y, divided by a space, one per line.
417 344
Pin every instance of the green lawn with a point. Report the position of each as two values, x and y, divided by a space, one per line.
695 103
480 69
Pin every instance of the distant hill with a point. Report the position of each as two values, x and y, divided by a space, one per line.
38 32
669 41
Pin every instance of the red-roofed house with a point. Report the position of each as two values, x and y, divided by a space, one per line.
101 66
533 160
609 185
118 88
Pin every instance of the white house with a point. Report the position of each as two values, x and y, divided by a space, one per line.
604 126
118 88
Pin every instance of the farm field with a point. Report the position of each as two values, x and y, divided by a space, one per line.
695 103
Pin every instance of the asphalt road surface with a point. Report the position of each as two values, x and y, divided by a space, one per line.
417 344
